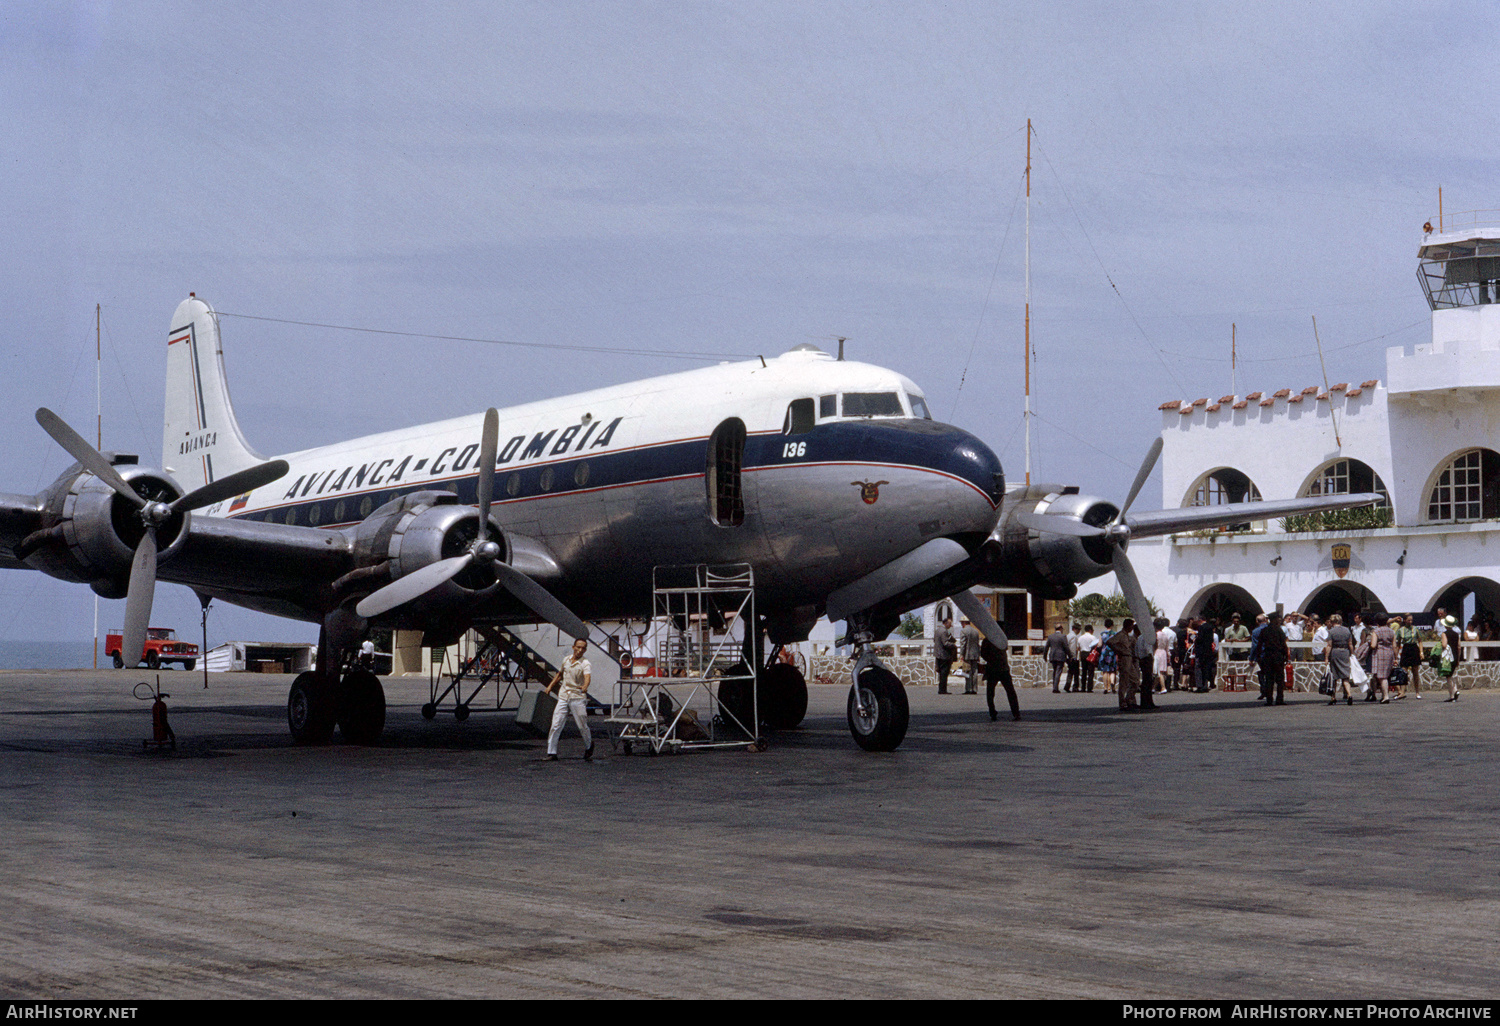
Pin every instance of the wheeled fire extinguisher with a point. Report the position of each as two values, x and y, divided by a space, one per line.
161 731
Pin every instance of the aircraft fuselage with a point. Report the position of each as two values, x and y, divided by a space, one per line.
616 481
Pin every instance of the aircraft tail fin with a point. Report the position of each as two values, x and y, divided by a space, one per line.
201 440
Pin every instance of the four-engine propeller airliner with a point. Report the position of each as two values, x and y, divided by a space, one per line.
828 477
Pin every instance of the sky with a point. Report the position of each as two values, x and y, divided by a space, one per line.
713 181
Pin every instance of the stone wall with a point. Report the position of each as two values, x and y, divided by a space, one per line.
1033 672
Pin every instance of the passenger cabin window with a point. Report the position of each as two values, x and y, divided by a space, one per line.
918 406
799 417
726 453
873 404
828 406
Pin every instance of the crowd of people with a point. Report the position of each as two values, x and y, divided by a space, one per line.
1381 656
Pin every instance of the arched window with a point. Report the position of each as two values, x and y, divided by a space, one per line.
1468 488
1223 486
1342 477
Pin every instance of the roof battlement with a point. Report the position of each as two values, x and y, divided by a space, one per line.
1284 398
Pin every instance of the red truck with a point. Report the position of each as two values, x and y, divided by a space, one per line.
162 646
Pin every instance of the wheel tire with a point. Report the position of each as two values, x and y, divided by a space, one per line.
310 710
188 664
460 713
783 696
153 661
428 711
119 662
886 729
361 707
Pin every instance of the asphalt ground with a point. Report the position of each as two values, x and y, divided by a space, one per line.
1212 849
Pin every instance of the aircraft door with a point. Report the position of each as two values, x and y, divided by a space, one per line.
723 473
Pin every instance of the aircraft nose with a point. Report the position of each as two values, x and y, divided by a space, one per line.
978 465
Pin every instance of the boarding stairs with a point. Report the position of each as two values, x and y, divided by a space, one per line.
512 659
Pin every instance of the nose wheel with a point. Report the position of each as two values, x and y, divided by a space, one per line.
878 710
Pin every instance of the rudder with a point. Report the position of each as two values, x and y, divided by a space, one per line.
201 440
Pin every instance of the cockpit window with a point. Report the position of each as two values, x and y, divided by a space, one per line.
918 406
828 406
873 404
799 417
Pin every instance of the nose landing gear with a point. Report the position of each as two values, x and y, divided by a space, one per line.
878 710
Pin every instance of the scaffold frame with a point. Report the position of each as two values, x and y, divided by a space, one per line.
702 616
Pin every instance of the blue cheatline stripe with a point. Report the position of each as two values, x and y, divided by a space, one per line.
869 444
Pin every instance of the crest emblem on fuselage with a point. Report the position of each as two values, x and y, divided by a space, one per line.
869 490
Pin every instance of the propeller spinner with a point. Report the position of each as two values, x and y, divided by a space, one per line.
1116 533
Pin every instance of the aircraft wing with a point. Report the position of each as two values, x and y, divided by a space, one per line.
20 516
1201 518
273 567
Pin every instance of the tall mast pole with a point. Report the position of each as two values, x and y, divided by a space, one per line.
1234 388
98 444
1027 416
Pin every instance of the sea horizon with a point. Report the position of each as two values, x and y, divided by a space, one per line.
50 655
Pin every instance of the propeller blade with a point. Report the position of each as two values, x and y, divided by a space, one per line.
489 441
1052 524
539 600
412 586
235 484
1130 584
138 598
1147 465
92 459
979 615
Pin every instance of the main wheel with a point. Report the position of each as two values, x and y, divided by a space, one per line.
882 727
361 707
783 696
310 710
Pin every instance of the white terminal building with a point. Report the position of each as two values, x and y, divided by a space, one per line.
1425 436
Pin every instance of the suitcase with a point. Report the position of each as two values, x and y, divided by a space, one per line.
535 713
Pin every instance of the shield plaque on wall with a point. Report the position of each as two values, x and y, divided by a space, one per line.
1340 555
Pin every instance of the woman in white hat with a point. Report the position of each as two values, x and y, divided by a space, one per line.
1453 654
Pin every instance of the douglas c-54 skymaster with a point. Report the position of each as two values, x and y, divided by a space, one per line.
828 477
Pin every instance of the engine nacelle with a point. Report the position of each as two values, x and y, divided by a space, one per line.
423 528
1052 565
89 532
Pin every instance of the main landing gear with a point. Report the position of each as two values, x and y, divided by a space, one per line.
783 695
355 704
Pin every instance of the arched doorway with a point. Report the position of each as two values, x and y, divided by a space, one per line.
1219 602
1343 597
1472 598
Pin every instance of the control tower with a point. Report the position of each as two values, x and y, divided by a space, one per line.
1460 273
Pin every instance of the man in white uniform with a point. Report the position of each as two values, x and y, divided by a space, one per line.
575 676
